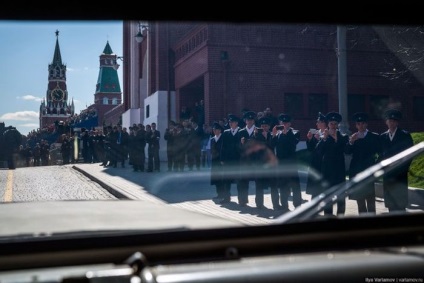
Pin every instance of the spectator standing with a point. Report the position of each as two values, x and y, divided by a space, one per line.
85 145
179 145
364 147
27 155
217 168
113 141
124 146
136 144
195 146
153 140
45 152
231 154
333 160
36 152
263 140
170 147
206 147
99 146
394 141
315 184
246 162
285 140
65 149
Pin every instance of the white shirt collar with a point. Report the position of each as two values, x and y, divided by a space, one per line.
217 137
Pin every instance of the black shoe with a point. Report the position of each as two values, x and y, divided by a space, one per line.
217 199
243 204
225 200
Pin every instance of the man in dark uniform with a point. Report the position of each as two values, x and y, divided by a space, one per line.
65 149
153 139
113 143
261 161
246 134
314 145
285 140
180 147
333 160
364 146
394 141
107 142
194 149
217 166
85 145
170 147
12 139
231 152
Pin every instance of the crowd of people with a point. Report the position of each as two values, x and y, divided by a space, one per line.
257 147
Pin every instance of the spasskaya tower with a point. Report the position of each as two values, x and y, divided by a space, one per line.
55 107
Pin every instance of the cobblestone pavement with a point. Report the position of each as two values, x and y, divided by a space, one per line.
188 191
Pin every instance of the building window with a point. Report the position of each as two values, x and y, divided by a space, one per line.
105 101
147 111
355 103
293 104
417 106
317 102
115 101
378 104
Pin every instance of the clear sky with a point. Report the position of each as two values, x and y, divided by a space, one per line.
26 50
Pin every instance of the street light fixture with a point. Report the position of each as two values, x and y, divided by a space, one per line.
116 65
139 36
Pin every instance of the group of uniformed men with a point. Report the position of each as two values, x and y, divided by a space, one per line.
267 156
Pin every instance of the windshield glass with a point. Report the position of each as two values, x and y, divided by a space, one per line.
154 125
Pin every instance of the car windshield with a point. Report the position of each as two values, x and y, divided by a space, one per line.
135 125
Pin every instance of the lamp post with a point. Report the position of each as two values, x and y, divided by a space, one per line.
139 38
116 65
342 77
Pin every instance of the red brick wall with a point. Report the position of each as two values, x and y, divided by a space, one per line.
267 61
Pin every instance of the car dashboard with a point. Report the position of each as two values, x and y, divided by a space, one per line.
360 249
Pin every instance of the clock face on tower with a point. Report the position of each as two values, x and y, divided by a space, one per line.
57 94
